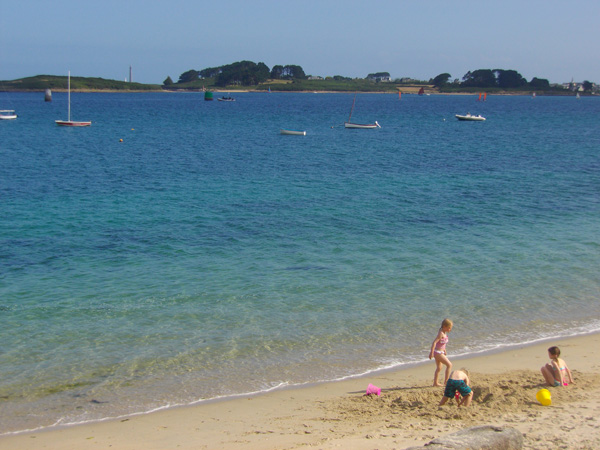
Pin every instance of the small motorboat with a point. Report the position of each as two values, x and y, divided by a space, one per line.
292 132
469 116
7 114
226 99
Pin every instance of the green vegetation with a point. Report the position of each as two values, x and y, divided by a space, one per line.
441 80
244 75
43 82
496 81
289 72
335 84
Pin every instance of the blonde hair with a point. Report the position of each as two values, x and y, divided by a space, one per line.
446 323
466 371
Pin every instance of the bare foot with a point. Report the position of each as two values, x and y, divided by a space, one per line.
436 384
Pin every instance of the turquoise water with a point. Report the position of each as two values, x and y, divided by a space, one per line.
206 255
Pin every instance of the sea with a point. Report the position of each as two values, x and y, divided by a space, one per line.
180 251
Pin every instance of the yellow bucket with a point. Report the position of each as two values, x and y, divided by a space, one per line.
543 396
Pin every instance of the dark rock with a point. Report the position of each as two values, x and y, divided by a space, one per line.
486 437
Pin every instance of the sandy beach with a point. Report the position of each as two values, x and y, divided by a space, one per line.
338 415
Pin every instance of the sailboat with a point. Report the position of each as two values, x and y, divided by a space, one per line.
69 122
359 125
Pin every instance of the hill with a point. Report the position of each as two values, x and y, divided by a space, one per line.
43 82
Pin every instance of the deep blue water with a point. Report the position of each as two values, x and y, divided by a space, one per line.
206 255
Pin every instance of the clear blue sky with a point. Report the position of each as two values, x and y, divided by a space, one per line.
557 40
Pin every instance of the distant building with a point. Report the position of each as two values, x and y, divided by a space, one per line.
315 77
578 87
380 78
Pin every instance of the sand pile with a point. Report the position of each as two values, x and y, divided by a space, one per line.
506 399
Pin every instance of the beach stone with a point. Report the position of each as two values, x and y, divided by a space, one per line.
485 437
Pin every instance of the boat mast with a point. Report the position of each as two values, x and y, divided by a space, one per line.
69 95
352 109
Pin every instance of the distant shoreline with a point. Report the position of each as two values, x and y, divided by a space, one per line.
408 91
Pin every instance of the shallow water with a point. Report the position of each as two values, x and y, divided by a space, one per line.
206 255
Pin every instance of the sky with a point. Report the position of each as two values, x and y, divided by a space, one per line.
420 39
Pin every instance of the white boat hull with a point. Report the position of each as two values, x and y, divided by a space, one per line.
8 114
293 133
470 117
365 126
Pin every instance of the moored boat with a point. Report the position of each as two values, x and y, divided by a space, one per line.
69 122
72 123
469 116
362 125
7 114
292 132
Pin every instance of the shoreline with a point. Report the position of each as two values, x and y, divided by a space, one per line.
372 372
297 416
409 91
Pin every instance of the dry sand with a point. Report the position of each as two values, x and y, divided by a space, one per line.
338 415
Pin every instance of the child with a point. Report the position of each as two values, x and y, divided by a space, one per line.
438 351
556 372
458 381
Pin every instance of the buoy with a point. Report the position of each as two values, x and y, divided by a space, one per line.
543 396
120 140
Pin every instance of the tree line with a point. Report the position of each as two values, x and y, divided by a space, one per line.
248 73
493 78
242 73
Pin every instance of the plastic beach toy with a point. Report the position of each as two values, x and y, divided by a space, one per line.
372 389
543 396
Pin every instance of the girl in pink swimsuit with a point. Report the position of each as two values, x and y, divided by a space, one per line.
438 351
556 373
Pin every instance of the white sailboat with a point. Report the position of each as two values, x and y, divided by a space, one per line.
69 122
350 124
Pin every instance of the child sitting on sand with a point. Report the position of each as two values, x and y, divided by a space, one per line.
438 351
556 372
458 382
